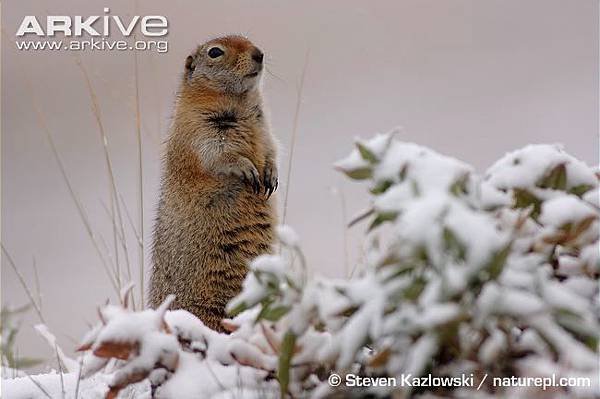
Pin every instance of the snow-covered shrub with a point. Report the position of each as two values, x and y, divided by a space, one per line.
172 354
492 276
483 276
495 275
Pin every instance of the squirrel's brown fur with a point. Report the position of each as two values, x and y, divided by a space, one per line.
215 212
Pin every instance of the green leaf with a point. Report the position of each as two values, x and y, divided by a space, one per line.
400 269
453 245
366 153
556 179
291 283
381 187
592 342
272 283
415 188
580 189
239 308
496 264
363 173
413 291
273 313
285 360
524 199
403 172
381 218
265 308
459 187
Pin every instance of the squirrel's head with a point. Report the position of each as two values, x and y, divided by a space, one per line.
229 64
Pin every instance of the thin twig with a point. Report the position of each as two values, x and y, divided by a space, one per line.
122 240
115 240
360 217
40 387
62 380
293 139
211 371
23 284
36 280
343 210
106 249
107 159
78 377
359 261
130 220
16 359
107 212
155 80
140 171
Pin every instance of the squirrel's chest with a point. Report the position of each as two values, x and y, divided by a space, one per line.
240 141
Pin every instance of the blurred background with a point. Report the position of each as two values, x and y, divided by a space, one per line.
469 78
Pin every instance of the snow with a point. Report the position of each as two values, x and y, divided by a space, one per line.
354 161
572 352
525 167
421 165
124 326
264 270
436 315
354 334
197 379
421 354
555 295
287 236
91 388
592 197
566 209
492 347
582 286
518 303
43 330
394 198
491 197
194 379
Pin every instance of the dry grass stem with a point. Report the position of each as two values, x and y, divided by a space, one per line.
293 139
12 264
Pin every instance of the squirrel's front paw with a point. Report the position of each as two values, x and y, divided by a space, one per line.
270 178
247 172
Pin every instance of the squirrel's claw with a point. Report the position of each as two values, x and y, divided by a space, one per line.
270 181
272 188
251 178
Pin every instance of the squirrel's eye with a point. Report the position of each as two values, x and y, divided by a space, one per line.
215 52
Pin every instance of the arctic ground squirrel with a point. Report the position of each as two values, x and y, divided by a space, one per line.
216 211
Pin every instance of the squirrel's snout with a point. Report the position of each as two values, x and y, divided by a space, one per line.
257 55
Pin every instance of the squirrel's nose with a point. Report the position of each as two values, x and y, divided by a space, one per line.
258 56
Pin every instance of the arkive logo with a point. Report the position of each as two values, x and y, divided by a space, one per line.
93 33
95 25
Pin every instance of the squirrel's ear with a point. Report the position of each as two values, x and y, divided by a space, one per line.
189 63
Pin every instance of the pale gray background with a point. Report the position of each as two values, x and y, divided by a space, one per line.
469 78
